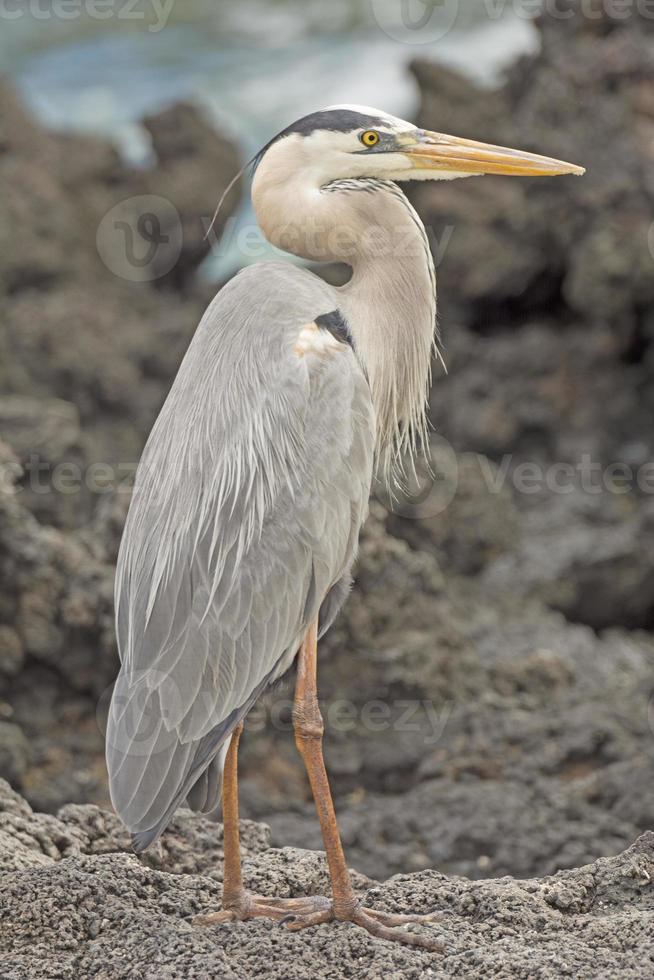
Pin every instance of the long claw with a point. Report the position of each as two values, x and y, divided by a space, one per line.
307 903
296 922
375 927
397 919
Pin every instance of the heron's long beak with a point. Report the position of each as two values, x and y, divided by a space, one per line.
435 151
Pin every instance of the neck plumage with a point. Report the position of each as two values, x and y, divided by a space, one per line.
389 302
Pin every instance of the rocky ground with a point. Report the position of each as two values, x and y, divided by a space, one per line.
489 688
74 904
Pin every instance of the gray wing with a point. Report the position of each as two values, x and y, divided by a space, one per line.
245 517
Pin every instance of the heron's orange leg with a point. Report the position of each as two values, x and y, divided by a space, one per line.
309 729
233 891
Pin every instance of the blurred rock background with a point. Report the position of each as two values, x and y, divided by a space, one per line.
489 688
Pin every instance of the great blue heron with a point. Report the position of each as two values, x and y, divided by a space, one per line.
254 483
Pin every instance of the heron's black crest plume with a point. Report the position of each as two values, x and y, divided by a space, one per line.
252 162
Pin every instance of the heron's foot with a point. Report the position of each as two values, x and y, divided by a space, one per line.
383 925
300 913
248 906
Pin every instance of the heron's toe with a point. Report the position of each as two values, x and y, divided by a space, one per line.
300 920
397 919
287 910
392 927
300 913
214 918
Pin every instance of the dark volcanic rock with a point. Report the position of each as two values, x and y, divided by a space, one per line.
576 247
80 319
587 555
14 752
57 652
75 904
546 291
462 508
194 164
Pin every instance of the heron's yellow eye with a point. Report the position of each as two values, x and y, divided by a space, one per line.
369 138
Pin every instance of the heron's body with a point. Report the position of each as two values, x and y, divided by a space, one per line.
238 535
254 483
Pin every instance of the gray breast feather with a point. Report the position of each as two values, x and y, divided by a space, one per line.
245 516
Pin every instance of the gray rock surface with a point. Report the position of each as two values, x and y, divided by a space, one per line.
547 288
76 324
74 904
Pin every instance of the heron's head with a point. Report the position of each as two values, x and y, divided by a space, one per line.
355 142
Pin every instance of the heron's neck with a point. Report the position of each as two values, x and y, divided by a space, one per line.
390 300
